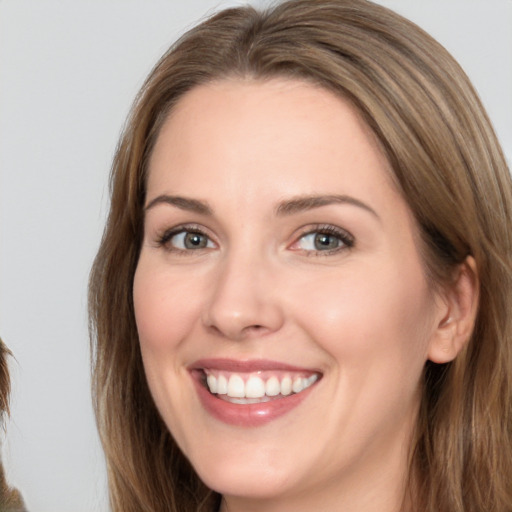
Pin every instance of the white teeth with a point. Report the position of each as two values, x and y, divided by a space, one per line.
212 383
272 387
255 389
297 385
222 385
286 386
311 380
236 387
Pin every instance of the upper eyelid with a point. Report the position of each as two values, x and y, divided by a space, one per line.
328 228
187 226
165 235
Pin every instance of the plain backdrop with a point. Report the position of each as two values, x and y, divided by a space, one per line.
68 73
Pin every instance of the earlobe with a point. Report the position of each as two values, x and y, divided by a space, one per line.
458 315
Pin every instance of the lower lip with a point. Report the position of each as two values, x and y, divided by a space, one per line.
247 415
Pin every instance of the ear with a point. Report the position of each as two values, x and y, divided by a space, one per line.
457 314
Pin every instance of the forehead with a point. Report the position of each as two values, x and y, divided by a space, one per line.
265 138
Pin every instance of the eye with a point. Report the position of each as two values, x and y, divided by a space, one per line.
326 239
183 239
190 240
319 242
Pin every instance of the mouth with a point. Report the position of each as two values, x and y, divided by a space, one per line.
259 387
251 393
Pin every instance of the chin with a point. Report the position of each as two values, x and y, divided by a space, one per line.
249 483
250 473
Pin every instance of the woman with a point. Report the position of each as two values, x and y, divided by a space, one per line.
300 301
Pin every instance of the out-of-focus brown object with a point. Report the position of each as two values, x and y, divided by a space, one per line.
10 499
5 383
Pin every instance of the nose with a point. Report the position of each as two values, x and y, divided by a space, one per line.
243 301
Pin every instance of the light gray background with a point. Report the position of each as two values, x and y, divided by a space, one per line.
68 73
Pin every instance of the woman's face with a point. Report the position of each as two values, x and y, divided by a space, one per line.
280 270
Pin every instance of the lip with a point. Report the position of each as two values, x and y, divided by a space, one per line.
246 415
246 366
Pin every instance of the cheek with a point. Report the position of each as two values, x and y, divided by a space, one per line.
165 306
164 314
369 314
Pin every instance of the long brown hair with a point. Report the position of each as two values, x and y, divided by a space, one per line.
452 173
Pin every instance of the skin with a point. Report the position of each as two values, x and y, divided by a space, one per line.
364 316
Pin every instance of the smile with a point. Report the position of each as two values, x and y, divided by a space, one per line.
250 393
243 388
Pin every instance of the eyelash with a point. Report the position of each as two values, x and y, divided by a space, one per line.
164 239
346 239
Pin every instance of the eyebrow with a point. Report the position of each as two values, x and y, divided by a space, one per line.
285 208
304 203
184 203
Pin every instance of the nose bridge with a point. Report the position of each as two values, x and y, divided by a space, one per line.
243 300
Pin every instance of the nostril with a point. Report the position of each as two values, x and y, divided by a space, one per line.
237 319
254 328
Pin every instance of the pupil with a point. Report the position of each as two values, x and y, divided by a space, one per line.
325 241
194 240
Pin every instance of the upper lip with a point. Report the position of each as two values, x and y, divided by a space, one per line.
243 366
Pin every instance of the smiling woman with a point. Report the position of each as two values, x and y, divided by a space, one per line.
272 291
300 301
